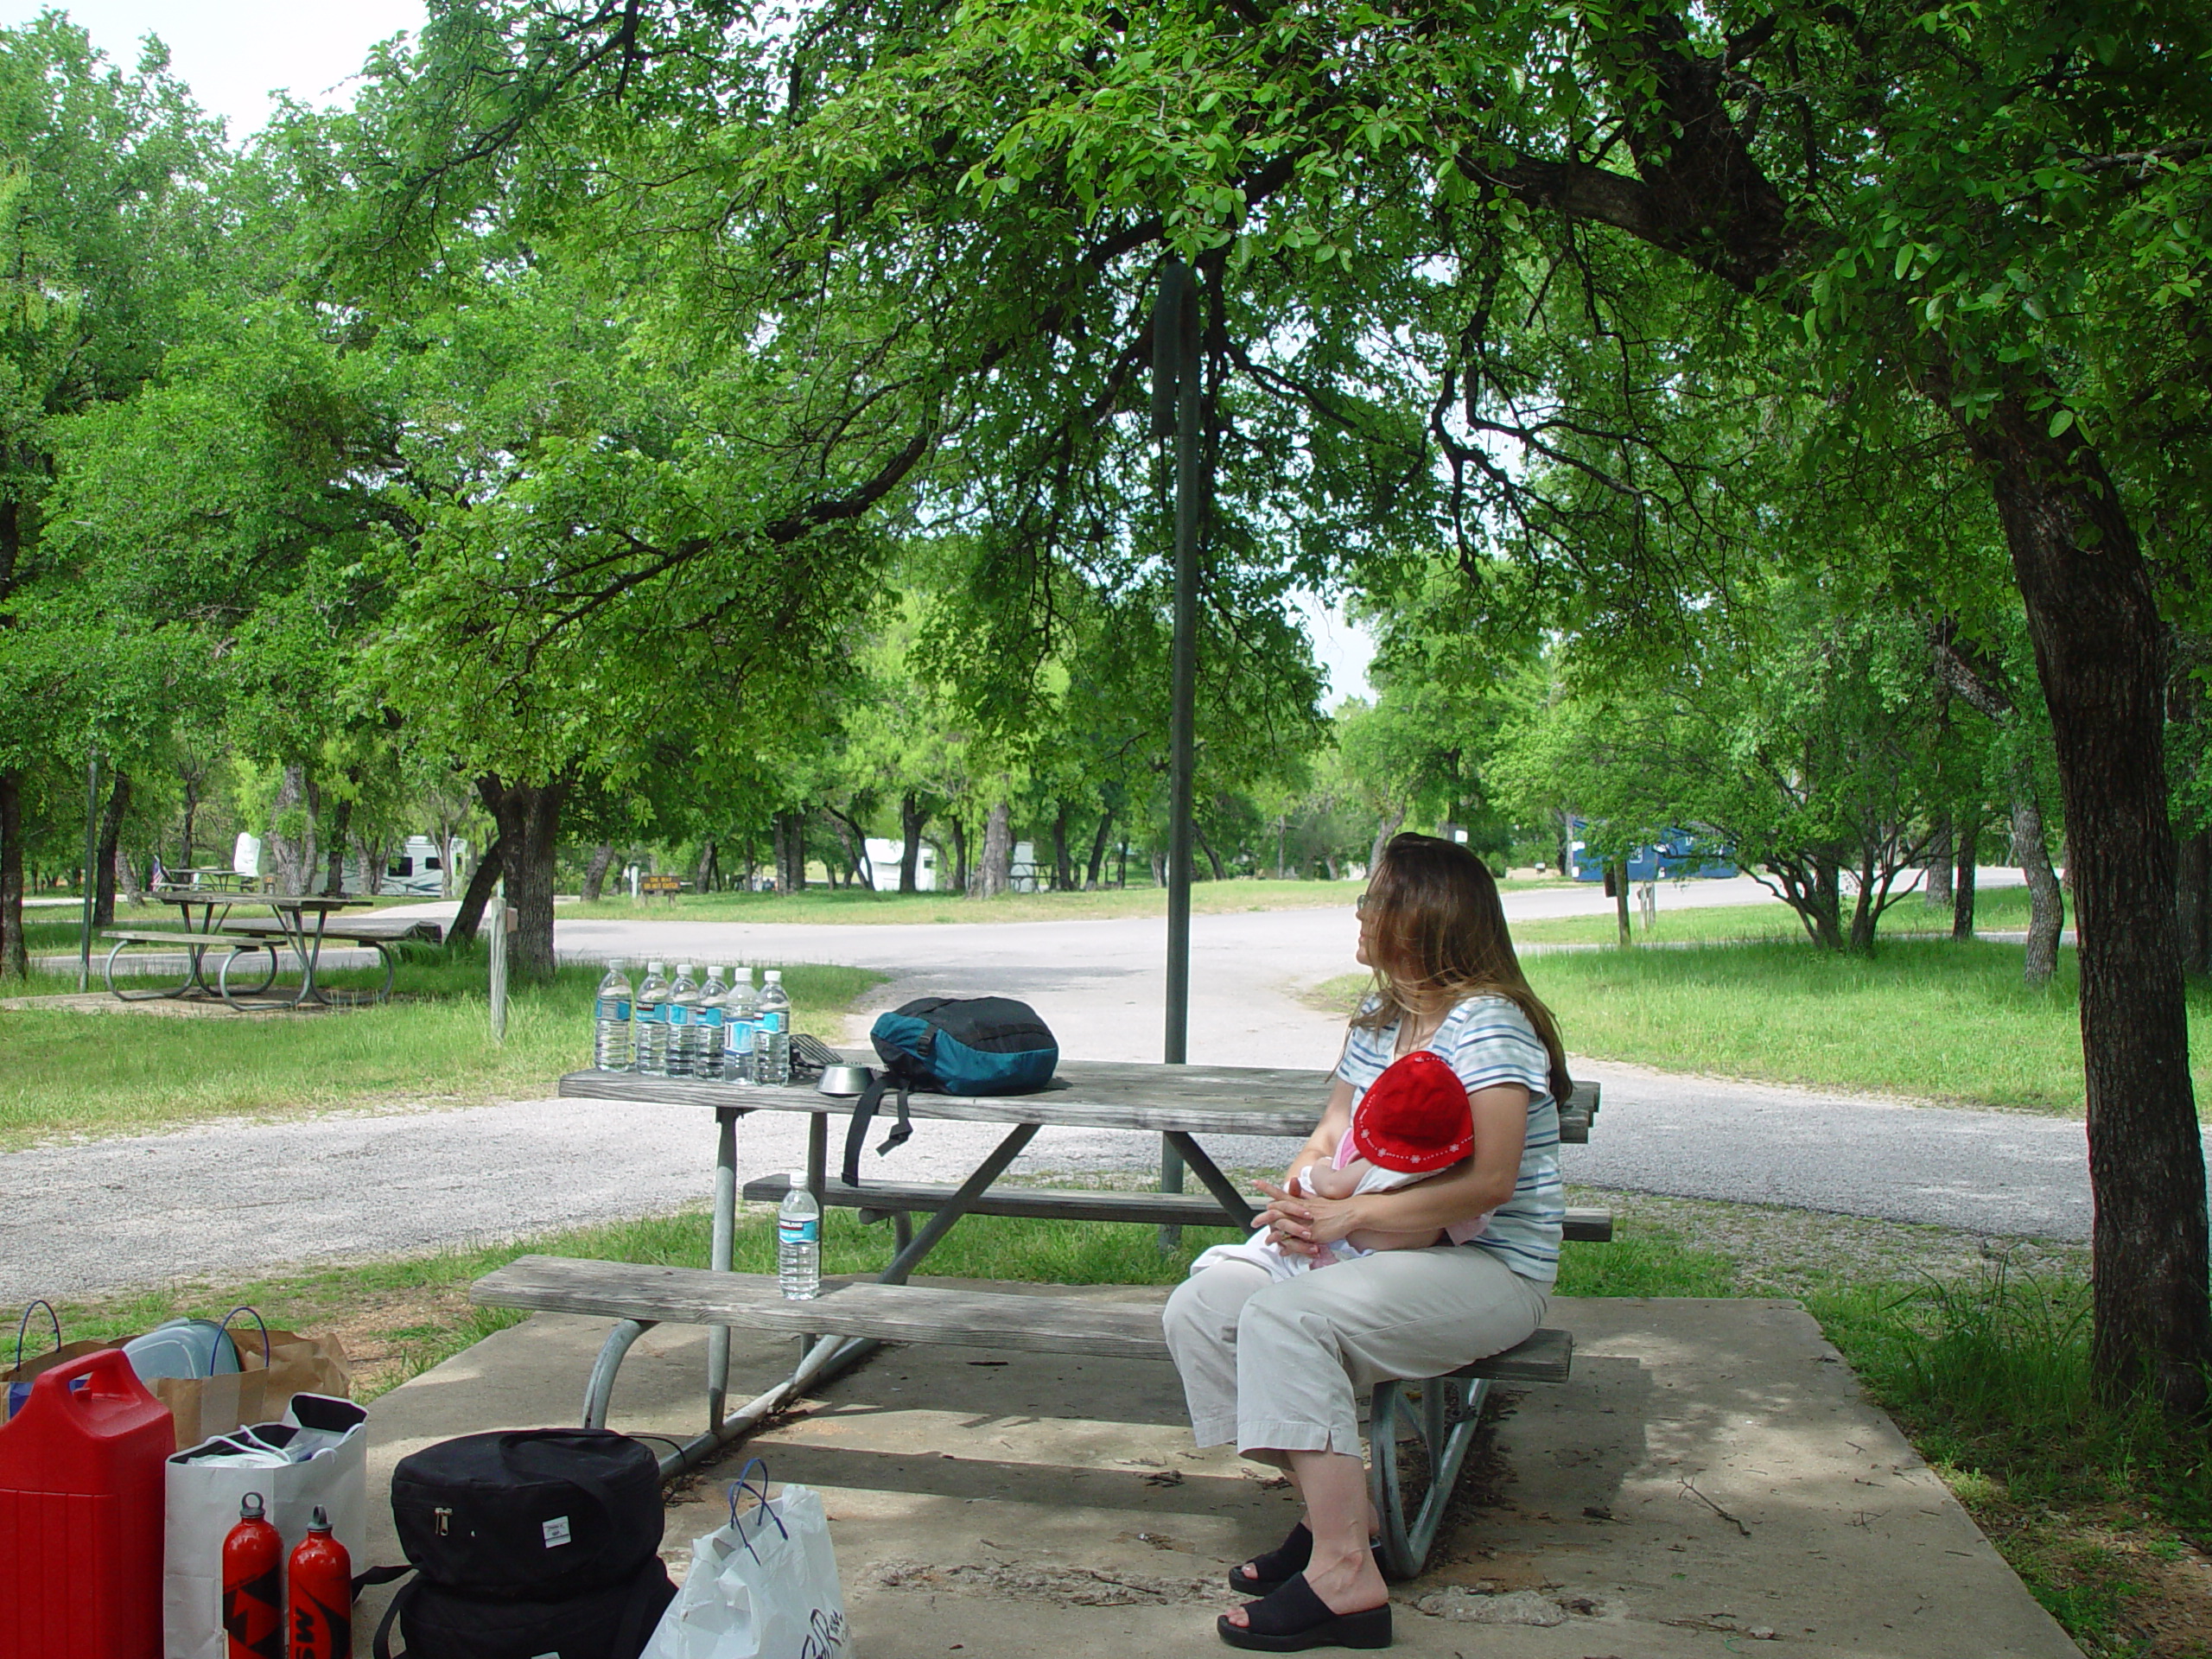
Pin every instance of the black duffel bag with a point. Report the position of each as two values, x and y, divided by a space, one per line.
523 1530
615 1623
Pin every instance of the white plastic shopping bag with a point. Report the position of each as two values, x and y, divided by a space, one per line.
317 1458
764 1586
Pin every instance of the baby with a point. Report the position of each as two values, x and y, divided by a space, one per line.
1412 1124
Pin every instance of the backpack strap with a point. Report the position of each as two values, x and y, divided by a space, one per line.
382 1646
378 1575
864 1111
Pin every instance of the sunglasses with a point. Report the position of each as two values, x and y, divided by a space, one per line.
1363 905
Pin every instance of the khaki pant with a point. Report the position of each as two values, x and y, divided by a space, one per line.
1278 1366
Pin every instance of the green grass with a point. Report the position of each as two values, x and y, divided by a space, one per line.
70 1073
857 906
1925 1019
1997 910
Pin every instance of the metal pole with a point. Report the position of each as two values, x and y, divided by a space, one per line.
1175 360
92 881
495 914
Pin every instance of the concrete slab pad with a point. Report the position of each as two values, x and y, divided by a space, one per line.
1711 1474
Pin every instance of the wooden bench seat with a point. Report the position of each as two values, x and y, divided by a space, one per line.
196 941
1068 1204
966 1319
428 932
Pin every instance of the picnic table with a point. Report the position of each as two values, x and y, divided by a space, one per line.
301 924
1181 1102
212 878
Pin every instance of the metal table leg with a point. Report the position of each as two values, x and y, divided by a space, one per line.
1449 1413
1224 1190
719 1254
601 1388
958 1204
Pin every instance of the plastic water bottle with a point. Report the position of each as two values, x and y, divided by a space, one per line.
614 1047
712 994
683 1027
740 1021
798 1241
772 1048
652 1027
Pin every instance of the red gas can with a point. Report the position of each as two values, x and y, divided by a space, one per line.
82 1513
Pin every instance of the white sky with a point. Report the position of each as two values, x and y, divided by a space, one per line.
233 53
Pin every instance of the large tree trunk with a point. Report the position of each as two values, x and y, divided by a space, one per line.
2194 902
1969 830
995 869
1062 866
529 816
596 872
341 823
911 822
854 839
110 839
1939 864
478 893
706 877
2099 649
2046 905
959 853
375 857
790 829
15 958
291 832
1098 849
1213 859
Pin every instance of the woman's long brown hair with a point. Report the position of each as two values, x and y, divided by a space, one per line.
1436 926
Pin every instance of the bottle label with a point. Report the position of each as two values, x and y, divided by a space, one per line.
649 1013
678 1014
773 1021
710 1017
614 1007
798 1229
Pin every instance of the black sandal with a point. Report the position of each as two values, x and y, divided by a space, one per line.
1280 1565
1293 1618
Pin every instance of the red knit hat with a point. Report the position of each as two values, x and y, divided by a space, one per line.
1415 1118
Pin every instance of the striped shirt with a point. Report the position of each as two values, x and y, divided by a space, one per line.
1488 1040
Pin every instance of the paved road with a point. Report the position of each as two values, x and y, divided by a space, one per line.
230 1200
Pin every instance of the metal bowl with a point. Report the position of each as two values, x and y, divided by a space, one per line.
844 1080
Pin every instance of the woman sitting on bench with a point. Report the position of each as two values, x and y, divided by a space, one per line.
1272 1363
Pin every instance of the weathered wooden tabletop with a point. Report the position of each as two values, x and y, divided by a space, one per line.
1084 1095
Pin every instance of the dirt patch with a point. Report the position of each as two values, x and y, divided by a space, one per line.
389 1336
1068 1587
2122 1587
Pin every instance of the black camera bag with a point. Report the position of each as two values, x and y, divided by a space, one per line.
529 1513
615 1622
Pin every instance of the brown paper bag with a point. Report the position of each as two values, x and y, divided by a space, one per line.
206 1406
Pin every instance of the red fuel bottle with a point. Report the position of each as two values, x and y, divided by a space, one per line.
253 1586
318 1590
80 1514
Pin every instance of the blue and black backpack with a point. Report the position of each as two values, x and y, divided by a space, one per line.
950 1045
